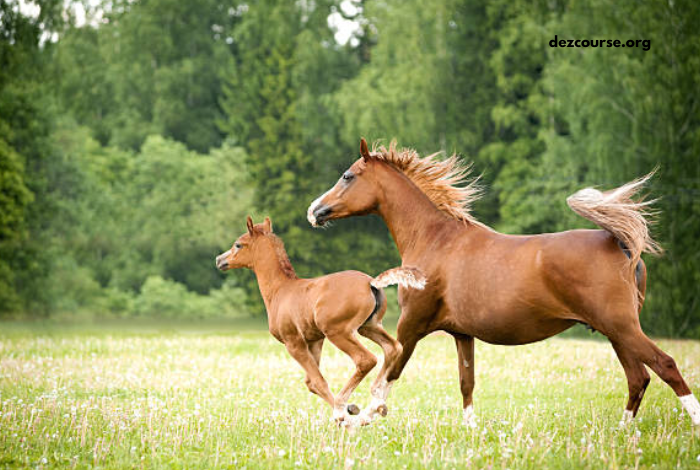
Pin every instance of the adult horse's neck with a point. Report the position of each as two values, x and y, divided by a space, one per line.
271 275
412 218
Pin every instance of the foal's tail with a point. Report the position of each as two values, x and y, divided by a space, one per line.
404 276
620 213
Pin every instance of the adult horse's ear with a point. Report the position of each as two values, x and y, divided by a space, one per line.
267 225
364 150
249 222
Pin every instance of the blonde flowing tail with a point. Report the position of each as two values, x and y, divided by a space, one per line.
620 213
405 277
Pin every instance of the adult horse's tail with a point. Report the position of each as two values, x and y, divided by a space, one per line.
620 213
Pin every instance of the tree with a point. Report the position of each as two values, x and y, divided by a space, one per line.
125 91
627 111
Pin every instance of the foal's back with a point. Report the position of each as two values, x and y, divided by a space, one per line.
326 305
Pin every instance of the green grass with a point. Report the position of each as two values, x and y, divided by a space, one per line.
194 396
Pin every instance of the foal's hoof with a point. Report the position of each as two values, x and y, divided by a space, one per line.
353 409
383 410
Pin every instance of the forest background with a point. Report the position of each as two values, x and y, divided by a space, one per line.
135 136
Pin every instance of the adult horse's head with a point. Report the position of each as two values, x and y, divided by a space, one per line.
355 193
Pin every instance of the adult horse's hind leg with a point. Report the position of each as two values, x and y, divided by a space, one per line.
465 354
639 345
637 380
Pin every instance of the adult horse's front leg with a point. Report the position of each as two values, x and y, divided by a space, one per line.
465 354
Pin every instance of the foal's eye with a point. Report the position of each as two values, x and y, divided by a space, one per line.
237 246
347 176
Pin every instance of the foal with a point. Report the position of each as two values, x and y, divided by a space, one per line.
303 312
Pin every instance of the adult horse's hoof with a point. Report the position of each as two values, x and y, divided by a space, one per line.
353 409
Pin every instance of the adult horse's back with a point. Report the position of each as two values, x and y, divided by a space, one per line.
505 289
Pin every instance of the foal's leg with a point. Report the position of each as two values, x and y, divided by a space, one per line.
392 350
299 350
364 362
465 353
315 348
639 345
408 338
637 380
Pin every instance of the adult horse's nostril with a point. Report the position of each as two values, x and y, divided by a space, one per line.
321 213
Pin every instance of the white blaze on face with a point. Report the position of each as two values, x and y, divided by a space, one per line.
310 212
691 405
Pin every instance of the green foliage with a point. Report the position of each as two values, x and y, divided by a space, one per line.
628 111
161 298
14 197
124 91
133 147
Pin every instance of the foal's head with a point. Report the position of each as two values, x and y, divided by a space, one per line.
241 254
355 193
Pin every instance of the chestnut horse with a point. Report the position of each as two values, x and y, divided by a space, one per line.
303 312
505 289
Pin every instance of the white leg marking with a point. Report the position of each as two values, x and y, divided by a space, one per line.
469 417
691 405
381 391
342 417
379 395
627 417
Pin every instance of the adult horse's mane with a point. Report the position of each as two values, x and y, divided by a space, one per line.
445 182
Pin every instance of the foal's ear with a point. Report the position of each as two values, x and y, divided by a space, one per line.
249 222
267 225
364 151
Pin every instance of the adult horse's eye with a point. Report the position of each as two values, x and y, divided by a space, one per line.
347 176
237 246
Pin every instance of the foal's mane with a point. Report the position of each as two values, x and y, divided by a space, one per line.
282 257
280 253
445 182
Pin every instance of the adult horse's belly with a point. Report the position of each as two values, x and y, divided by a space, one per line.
516 325
522 333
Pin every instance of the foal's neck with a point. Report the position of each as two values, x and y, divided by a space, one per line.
412 218
272 269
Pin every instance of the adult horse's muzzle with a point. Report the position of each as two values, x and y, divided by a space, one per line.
318 213
321 215
222 261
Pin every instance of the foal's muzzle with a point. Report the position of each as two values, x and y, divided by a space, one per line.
222 261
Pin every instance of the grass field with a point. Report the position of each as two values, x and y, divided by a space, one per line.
202 397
